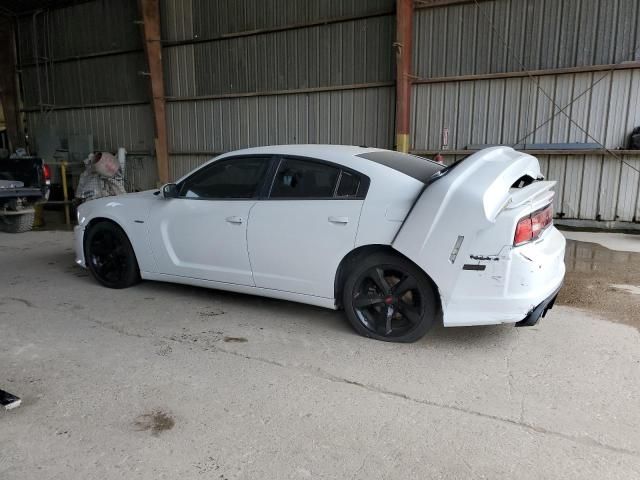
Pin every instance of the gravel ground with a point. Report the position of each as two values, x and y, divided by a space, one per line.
165 381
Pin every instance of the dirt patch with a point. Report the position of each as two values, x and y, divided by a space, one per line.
235 339
205 340
212 313
603 281
164 349
156 422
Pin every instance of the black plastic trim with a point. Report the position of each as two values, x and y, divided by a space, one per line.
418 168
534 316
471 266
264 189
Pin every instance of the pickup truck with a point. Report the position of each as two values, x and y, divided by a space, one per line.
24 181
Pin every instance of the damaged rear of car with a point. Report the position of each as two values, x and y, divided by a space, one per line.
483 231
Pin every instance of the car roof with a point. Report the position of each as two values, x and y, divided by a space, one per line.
323 152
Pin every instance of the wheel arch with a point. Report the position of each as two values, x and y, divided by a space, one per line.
101 219
351 258
97 220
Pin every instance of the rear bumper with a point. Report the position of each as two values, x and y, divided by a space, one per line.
539 312
517 284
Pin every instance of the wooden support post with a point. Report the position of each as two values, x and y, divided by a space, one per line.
404 34
150 11
8 85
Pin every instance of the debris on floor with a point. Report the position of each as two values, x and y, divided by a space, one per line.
156 422
8 400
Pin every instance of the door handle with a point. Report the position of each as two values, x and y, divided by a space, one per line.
236 220
342 220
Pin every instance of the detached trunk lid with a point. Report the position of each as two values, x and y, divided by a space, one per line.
473 192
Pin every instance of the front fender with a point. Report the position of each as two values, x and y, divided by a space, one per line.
130 212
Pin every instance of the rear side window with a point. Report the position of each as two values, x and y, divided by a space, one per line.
348 185
304 179
233 178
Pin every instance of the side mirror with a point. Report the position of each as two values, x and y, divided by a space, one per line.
170 190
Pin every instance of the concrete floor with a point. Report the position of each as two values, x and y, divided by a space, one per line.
164 381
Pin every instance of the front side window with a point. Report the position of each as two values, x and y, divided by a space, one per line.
226 179
304 179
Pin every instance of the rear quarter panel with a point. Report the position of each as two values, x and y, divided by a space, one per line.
465 202
389 199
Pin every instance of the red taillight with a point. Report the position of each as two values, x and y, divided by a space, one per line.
46 171
530 227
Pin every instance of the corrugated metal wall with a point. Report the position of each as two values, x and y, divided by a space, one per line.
237 74
127 125
359 116
507 110
465 56
90 65
88 81
205 19
511 35
252 73
344 53
83 29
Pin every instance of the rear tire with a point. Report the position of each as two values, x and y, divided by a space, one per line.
110 256
20 223
388 298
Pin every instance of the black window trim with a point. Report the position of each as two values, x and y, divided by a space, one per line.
269 177
400 167
363 188
260 191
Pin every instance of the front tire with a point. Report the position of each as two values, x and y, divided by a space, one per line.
388 298
110 256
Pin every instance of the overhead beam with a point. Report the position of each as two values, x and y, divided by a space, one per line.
404 37
529 73
419 4
8 84
150 12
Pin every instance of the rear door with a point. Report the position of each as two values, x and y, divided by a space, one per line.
299 234
203 233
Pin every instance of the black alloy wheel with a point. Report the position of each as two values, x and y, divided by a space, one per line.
389 298
109 256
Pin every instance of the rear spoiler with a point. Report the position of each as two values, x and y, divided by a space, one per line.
474 193
538 193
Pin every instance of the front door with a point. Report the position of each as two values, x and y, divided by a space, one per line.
203 233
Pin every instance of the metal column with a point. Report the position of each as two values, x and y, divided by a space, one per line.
8 84
404 36
150 11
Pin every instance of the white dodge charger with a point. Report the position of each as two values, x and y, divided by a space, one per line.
396 240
